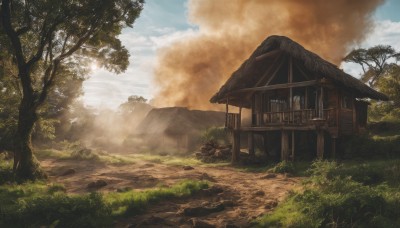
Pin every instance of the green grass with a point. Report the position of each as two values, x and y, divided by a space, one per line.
174 160
297 168
95 156
350 194
40 204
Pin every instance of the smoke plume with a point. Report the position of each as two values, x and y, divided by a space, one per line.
190 71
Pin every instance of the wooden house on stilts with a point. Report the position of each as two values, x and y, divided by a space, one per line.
299 102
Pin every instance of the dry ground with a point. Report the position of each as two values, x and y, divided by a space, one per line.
245 195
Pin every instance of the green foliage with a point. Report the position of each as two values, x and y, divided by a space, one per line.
131 203
342 195
216 134
283 167
370 146
37 204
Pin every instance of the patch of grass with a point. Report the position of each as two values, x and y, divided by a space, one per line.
132 202
173 160
297 168
6 173
356 194
38 204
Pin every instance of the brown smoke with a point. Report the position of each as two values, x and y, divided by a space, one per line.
190 71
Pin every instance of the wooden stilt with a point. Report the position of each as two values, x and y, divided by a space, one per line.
251 144
236 146
320 144
284 146
333 148
265 144
293 146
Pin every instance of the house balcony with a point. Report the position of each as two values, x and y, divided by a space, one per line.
305 119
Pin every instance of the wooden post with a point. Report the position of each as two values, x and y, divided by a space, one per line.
284 146
265 143
251 144
226 112
333 148
236 146
320 144
293 146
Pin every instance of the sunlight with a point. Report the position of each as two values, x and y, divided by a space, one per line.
94 66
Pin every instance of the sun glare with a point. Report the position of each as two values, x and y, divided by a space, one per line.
94 66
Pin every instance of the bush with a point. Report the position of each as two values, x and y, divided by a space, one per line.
216 134
340 196
283 167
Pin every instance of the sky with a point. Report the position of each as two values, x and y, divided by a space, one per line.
163 22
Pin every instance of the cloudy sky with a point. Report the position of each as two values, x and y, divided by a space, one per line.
163 22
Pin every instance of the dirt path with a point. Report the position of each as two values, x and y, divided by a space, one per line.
244 195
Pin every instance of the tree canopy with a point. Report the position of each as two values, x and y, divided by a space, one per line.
48 38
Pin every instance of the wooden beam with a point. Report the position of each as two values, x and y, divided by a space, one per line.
236 147
279 86
320 144
226 112
251 144
302 72
267 55
284 146
268 72
293 146
333 148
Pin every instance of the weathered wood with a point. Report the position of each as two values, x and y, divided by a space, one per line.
250 137
333 148
272 75
236 147
320 144
293 146
278 86
267 55
284 146
226 112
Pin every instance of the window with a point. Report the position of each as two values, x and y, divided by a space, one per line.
347 102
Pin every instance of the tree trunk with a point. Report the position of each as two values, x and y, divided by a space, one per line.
26 165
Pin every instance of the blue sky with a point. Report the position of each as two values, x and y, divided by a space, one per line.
163 22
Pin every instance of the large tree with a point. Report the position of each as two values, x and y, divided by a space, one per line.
375 62
48 37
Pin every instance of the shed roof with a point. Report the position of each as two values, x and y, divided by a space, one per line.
178 121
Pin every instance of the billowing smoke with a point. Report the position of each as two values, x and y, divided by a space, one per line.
190 71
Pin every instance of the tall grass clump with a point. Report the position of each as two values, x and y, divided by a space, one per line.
41 205
336 195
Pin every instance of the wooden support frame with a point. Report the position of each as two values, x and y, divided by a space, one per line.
284 145
279 86
269 71
320 144
250 142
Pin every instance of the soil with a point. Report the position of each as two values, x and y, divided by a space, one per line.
243 196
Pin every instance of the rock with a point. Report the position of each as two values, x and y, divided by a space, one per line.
203 210
269 176
259 193
97 184
196 223
212 151
69 171
152 220
271 204
187 167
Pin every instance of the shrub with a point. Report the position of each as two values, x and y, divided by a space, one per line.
338 195
283 167
216 134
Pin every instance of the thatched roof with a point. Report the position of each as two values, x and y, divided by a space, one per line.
249 73
178 121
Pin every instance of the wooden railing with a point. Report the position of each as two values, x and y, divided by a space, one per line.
232 121
299 117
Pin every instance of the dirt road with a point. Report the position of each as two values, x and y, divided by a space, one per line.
244 195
